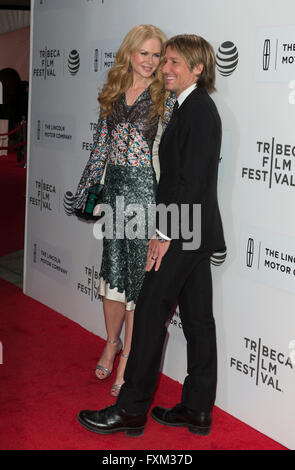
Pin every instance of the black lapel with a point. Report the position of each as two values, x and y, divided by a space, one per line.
172 123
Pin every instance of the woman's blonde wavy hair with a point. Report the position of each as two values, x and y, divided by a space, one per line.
120 75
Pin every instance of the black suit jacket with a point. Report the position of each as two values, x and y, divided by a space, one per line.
189 157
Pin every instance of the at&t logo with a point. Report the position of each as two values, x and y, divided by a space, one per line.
68 201
227 58
74 62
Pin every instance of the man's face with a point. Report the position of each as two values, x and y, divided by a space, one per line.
178 76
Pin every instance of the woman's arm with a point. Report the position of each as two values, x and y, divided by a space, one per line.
94 169
155 151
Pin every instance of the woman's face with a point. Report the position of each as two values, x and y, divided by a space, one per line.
146 59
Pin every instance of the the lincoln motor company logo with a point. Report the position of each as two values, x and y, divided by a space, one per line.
103 59
250 252
275 53
266 54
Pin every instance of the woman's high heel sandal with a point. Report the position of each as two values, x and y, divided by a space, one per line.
104 370
115 390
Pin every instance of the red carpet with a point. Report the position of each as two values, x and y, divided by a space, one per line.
13 189
47 378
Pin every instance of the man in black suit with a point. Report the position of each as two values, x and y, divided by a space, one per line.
178 269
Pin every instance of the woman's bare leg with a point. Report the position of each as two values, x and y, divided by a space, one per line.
114 314
129 316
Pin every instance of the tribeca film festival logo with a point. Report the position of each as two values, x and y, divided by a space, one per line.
276 164
44 196
86 145
53 62
227 58
48 61
89 285
264 363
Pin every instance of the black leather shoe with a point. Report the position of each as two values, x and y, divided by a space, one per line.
111 420
197 422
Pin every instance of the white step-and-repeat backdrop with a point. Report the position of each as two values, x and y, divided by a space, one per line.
74 43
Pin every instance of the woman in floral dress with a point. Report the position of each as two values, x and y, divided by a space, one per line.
131 102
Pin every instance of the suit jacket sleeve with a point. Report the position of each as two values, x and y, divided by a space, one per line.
196 144
199 146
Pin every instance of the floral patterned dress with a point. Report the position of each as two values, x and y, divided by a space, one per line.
123 142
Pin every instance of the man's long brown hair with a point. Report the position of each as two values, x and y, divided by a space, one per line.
196 50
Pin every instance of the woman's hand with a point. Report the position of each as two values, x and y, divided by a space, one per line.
155 253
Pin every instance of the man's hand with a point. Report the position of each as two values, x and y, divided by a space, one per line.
155 253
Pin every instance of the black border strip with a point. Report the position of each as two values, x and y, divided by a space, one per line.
15 7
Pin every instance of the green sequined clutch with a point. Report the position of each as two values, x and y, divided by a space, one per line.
94 197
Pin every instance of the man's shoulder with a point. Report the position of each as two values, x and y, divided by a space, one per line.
200 98
199 106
